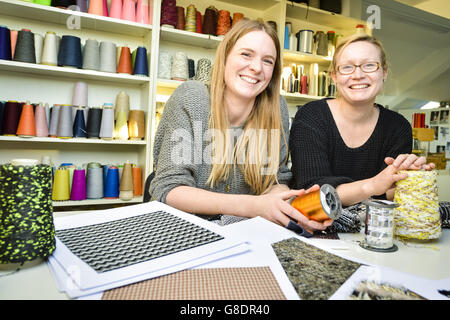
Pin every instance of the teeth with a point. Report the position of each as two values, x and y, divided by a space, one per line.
359 86
250 80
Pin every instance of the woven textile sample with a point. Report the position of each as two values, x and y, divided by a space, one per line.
369 290
256 283
314 273
124 242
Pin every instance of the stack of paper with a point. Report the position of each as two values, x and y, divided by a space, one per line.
106 249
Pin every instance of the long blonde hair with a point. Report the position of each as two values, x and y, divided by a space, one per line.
252 149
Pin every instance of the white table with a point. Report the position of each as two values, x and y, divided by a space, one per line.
428 260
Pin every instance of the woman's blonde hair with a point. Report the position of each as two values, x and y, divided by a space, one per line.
256 152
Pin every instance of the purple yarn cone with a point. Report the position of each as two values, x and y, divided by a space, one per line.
78 185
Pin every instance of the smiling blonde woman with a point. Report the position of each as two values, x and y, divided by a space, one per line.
351 142
221 152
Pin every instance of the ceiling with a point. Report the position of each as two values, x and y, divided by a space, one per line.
437 7
417 42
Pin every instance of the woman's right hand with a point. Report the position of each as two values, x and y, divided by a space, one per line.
276 208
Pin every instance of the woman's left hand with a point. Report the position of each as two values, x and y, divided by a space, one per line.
409 162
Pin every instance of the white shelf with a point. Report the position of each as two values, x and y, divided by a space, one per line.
47 14
253 4
190 38
73 140
303 57
320 17
298 97
64 72
167 83
89 202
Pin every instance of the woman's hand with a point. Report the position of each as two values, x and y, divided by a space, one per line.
409 162
385 180
275 207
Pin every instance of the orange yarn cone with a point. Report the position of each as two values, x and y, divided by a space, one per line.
125 61
137 181
96 7
27 125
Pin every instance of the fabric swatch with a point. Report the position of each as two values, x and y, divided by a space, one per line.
255 283
124 242
314 273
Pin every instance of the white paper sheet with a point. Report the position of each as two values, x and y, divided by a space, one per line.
428 289
76 278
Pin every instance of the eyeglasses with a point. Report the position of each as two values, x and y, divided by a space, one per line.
367 67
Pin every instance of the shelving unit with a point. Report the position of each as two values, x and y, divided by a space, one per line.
54 85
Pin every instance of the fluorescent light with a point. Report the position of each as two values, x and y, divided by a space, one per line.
431 105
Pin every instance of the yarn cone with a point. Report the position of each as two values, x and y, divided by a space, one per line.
96 7
126 183
78 191
129 10
136 124
105 8
27 124
137 181
125 61
41 121
115 11
61 185
142 11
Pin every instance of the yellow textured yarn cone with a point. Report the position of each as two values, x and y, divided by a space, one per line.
418 216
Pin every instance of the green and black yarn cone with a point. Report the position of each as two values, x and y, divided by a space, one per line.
27 231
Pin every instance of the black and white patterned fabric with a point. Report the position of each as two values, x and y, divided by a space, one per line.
124 242
350 219
444 209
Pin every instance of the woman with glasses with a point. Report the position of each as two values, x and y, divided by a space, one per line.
351 142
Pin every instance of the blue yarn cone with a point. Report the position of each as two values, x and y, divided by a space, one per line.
79 127
5 43
70 52
141 62
112 183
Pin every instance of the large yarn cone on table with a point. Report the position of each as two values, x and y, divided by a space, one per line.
418 215
26 213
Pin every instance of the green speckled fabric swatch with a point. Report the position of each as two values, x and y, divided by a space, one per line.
314 273
26 213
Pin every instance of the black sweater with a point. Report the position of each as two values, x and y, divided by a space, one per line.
319 154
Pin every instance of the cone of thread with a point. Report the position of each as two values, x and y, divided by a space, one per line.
61 185
136 125
115 10
137 181
126 183
27 124
121 128
124 65
112 183
96 7
129 10
78 191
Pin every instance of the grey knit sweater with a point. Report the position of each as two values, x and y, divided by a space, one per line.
181 145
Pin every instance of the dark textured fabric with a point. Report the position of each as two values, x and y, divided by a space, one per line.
319 154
